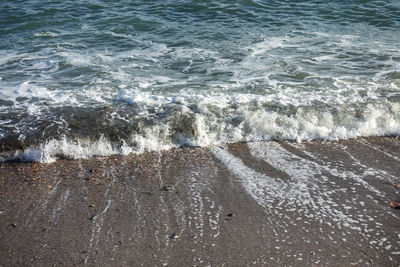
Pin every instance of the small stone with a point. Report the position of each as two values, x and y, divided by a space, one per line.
166 188
92 205
13 225
394 204
174 236
231 215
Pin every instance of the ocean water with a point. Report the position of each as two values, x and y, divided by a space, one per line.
96 78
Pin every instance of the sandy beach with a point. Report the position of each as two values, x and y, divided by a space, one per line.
263 204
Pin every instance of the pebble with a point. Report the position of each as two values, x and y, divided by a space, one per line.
174 236
166 188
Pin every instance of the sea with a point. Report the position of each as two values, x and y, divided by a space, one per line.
93 78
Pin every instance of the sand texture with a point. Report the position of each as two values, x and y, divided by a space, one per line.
262 204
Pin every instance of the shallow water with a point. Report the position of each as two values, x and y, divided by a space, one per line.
79 79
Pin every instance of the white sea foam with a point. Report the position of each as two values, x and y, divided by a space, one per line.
300 193
201 120
139 97
303 123
77 149
45 34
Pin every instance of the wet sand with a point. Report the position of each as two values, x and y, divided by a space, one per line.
272 204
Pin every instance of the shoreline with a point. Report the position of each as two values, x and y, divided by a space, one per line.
101 148
261 203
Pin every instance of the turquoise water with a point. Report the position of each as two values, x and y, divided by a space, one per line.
84 78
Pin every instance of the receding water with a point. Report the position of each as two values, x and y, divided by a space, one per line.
84 78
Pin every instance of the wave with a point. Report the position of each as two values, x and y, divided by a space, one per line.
218 122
